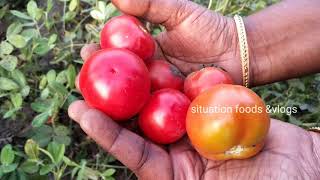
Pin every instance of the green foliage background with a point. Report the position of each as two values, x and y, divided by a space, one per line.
39 60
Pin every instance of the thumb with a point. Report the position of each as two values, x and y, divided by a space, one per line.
166 12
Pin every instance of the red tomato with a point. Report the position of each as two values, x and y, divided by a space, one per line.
199 81
115 81
127 32
163 118
227 122
165 75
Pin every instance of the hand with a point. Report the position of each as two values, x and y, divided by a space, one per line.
195 37
289 153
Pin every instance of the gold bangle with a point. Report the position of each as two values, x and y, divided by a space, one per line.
314 129
244 50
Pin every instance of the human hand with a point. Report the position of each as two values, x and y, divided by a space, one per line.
289 153
195 36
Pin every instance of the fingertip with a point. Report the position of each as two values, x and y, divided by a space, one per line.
88 49
77 82
77 109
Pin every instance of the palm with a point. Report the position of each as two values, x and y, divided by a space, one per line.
197 41
283 157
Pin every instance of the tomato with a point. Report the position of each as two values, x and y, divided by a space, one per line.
115 81
227 122
127 32
199 81
163 118
165 75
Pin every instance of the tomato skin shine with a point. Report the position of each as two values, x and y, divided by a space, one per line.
115 81
221 134
163 118
127 32
165 75
199 81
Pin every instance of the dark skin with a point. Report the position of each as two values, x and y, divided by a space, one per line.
284 43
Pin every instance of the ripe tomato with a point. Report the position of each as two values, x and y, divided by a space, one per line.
199 81
127 32
227 122
115 81
165 75
163 118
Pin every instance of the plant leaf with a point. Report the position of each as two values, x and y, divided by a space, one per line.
17 40
57 151
16 99
31 148
73 5
29 167
5 48
40 119
9 62
20 14
46 169
7 84
7 155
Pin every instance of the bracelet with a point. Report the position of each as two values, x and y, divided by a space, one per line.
314 129
244 49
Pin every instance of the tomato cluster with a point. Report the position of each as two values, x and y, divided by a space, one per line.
123 81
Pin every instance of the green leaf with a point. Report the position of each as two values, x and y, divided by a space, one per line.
95 14
57 151
40 119
110 10
51 76
108 172
14 28
58 88
31 8
66 140
45 93
29 167
20 15
73 5
69 162
5 48
70 15
10 113
31 148
71 76
46 169
28 34
42 47
7 155
9 62
52 39
16 99
62 130
81 170
7 84
43 82
40 106
25 91
19 77
17 40
61 77
9 168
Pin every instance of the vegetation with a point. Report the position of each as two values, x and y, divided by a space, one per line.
39 59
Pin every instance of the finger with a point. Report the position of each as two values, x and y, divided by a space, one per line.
132 150
77 83
87 50
167 12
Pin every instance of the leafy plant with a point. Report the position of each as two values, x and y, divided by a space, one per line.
39 60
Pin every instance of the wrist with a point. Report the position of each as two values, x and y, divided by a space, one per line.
260 62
